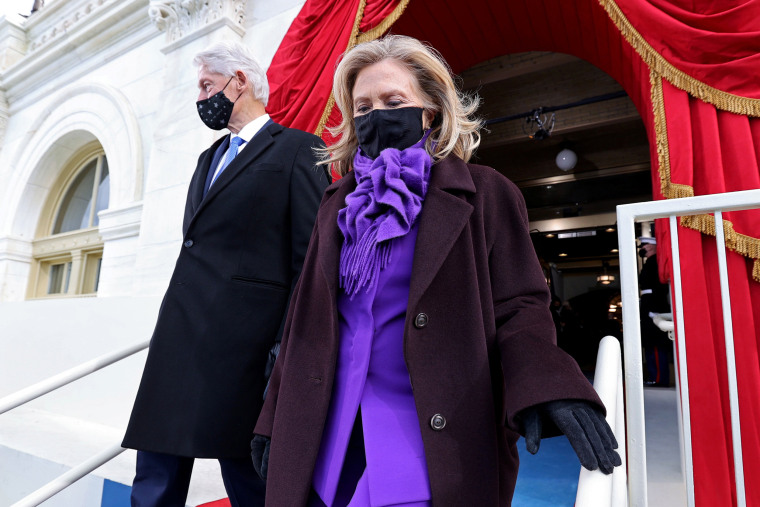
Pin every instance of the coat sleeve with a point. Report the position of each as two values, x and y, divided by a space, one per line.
307 185
535 370
265 421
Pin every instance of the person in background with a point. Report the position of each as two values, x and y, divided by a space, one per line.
250 210
654 299
419 341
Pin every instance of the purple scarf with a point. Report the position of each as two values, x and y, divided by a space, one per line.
386 202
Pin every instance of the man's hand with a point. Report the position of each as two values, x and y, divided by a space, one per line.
584 426
260 454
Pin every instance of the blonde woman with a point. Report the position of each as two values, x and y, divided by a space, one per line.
419 341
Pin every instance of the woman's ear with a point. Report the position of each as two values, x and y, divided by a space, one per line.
428 118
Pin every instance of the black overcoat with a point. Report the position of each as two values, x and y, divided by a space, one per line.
479 342
242 251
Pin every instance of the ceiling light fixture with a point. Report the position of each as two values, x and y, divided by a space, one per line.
538 126
566 159
604 278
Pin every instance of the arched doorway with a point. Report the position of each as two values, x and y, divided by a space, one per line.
571 209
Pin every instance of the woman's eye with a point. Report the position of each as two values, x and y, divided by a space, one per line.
362 109
393 103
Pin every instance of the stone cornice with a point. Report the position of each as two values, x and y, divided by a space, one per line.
76 45
182 19
14 248
120 223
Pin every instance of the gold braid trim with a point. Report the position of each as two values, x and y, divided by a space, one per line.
351 43
720 99
385 25
739 243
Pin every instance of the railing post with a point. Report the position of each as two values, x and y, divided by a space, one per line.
634 380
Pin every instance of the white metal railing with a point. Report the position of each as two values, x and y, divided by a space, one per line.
628 215
594 488
64 481
51 384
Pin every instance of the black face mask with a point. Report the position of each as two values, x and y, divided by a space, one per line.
216 110
642 253
388 128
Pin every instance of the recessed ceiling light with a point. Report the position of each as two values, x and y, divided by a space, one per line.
609 229
563 255
614 250
550 235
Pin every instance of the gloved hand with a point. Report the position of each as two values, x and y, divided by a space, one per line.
260 454
584 426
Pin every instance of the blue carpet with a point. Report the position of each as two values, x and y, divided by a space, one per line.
548 479
115 494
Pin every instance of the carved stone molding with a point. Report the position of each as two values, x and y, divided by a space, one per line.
179 18
3 116
68 21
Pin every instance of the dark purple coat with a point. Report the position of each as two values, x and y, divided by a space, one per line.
479 341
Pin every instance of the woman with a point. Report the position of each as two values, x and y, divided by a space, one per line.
419 339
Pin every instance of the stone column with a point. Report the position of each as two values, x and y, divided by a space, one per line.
190 26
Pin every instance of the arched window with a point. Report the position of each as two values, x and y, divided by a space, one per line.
68 250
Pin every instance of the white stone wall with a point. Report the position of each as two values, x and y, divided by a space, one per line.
120 72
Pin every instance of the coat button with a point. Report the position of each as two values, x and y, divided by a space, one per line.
437 422
188 243
421 320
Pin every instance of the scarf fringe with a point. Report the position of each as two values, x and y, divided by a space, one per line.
360 266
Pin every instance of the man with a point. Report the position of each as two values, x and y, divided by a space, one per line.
654 299
250 210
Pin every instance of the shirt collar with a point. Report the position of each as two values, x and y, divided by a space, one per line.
252 128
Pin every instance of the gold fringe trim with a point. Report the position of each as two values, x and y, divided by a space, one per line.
325 115
669 189
739 243
383 27
358 38
720 99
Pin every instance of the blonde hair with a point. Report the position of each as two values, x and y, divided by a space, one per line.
453 130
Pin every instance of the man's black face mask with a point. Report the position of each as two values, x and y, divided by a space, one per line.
216 110
388 128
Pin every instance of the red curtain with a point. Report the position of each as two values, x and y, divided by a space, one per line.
714 151
691 69
300 75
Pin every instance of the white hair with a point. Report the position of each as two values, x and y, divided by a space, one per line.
227 58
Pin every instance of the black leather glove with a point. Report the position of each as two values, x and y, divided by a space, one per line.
584 426
260 454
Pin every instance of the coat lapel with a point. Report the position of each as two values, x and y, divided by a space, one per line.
444 215
329 233
210 159
256 146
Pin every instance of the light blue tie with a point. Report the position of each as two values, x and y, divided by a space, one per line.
231 153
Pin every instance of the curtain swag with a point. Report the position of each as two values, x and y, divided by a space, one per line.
720 99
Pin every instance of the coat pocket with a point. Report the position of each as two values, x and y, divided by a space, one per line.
269 284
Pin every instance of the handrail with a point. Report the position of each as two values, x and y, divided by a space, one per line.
64 481
627 215
66 377
594 488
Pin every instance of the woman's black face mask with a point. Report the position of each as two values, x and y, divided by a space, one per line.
388 128
216 110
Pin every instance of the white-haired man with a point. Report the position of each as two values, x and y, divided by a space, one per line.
250 210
